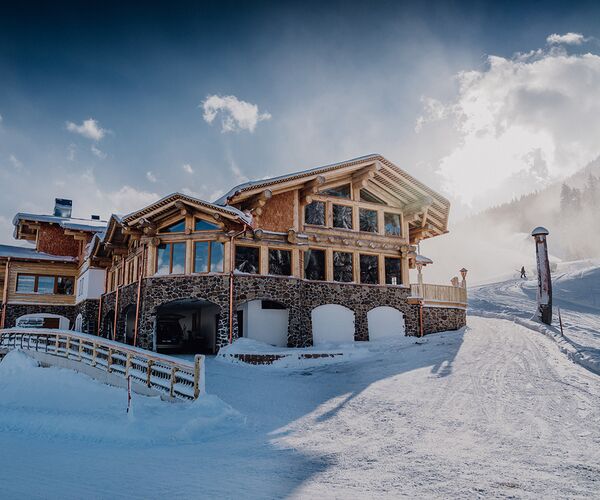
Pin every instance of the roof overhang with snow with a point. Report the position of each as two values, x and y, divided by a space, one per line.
426 209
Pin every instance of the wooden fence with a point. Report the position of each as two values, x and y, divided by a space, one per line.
169 376
440 294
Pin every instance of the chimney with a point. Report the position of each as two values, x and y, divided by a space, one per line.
62 207
95 217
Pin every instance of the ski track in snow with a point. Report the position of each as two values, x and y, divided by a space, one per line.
491 411
576 293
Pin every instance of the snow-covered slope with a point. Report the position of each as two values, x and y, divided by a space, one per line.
576 292
491 411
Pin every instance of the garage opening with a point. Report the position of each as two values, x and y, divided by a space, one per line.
42 320
332 324
187 326
385 323
263 320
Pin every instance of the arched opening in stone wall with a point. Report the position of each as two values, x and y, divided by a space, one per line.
263 320
385 323
42 320
332 324
79 323
129 320
187 326
108 325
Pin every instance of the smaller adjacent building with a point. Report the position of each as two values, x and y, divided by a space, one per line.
52 284
312 257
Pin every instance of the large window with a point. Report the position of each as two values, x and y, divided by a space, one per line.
280 262
369 269
368 220
247 259
208 257
203 225
314 213
393 271
343 268
314 264
342 216
177 227
45 285
171 258
393 226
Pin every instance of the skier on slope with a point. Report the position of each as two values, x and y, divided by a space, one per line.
523 275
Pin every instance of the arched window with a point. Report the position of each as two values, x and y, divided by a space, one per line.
332 323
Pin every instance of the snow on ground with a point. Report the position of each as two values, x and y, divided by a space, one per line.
494 410
576 291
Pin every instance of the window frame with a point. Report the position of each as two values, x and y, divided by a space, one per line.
171 247
325 262
36 278
234 263
289 251
376 256
217 227
352 280
210 251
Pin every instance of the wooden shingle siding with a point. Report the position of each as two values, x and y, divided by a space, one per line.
278 213
48 269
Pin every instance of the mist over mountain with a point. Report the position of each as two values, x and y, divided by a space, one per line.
496 242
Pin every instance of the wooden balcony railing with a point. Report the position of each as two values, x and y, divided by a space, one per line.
440 294
170 377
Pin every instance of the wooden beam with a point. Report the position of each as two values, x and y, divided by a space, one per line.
311 187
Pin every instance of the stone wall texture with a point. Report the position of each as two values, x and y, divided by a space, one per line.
15 311
89 313
299 296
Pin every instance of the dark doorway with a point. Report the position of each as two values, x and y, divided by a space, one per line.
187 326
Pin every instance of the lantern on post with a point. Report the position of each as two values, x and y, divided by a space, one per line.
544 293
463 273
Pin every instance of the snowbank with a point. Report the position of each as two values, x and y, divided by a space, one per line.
62 404
298 357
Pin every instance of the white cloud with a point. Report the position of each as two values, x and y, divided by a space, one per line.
89 128
18 164
567 38
521 123
98 152
128 199
150 176
188 168
235 114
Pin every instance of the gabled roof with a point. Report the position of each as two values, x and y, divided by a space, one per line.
389 178
25 253
73 223
167 201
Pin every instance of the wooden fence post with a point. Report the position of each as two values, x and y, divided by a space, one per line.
80 350
172 390
149 373
128 365
94 353
109 360
68 346
197 365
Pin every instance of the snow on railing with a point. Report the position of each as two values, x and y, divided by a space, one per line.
171 376
440 294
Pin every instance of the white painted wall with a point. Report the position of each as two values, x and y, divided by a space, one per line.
265 325
385 323
90 285
332 323
36 320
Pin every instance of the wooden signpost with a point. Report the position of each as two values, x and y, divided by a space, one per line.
544 295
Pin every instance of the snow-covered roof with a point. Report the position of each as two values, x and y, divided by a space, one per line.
31 254
73 223
421 259
190 199
301 173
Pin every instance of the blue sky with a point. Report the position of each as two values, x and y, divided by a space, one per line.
321 83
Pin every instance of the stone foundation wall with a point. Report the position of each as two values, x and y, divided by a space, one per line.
15 311
299 296
89 312
439 319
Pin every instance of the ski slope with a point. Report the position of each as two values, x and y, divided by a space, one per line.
576 291
494 411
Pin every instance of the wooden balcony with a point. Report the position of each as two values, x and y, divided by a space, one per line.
439 295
